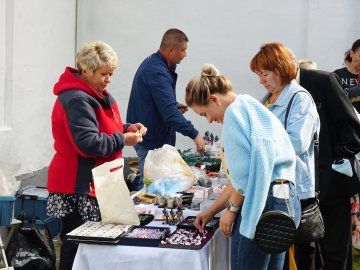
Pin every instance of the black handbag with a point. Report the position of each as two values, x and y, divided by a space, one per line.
311 227
275 232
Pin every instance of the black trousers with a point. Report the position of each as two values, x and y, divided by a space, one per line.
305 254
336 247
334 251
68 249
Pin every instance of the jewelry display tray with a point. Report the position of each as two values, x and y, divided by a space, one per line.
143 242
93 232
209 235
188 223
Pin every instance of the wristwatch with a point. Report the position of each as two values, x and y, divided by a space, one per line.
231 207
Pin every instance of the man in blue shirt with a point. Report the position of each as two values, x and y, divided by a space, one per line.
153 99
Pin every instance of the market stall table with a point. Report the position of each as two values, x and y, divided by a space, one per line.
213 256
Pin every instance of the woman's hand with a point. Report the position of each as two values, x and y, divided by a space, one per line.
202 219
138 127
132 138
226 222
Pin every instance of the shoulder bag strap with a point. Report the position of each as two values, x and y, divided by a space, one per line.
316 143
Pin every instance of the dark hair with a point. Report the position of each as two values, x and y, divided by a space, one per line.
356 45
172 38
347 57
277 58
354 48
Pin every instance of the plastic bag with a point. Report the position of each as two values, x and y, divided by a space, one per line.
31 248
8 183
113 196
166 162
166 186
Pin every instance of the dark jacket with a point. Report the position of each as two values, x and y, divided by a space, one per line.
153 103
339 133
87 131
354 96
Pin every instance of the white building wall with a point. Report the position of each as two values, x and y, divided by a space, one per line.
38 40
225 33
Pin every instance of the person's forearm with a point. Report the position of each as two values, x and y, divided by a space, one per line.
220 203
236 199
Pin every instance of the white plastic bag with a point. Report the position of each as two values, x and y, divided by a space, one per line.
8 183
168 187
113 196
166 162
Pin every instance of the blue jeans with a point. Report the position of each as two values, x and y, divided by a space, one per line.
244 252
141 152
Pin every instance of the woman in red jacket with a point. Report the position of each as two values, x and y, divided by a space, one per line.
87 131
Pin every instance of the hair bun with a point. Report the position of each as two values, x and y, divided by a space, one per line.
209 70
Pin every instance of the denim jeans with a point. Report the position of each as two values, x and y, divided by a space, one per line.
141 152
244 252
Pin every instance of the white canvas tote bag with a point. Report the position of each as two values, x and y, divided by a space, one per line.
115 203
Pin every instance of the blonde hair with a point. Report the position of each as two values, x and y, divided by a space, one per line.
95 54
210 81
307 64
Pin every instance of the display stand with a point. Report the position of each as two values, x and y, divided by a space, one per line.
98 233
214 255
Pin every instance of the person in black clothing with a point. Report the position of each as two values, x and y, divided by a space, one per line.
354 96
349 73
339 139
349 79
